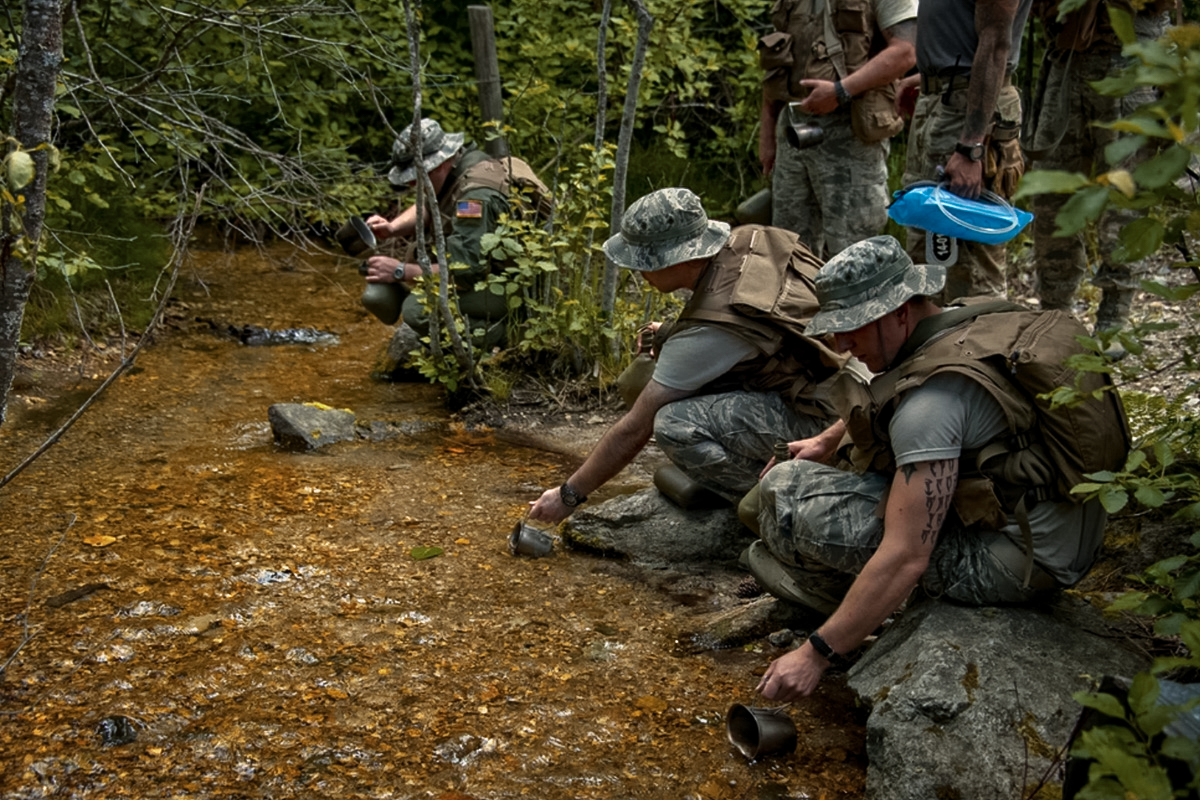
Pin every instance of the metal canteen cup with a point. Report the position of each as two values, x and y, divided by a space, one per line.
760 732
801 135
355 237
528 540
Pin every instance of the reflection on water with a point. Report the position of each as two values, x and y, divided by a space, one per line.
261 623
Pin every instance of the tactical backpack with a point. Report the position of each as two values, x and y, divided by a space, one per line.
1019 355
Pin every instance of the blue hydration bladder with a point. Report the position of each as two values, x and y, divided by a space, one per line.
929 206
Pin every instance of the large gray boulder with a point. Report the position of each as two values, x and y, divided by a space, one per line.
977 702
650 530
306 426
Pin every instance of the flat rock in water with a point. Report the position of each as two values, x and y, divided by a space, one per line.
650 530
977 702
306 426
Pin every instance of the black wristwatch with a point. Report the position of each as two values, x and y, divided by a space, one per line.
839 91
821 646
569 496
971 151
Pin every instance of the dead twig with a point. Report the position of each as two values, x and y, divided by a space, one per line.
26 635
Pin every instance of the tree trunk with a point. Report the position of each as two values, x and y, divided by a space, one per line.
624 141
38 63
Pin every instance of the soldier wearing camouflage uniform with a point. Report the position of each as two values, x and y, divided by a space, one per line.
834 193
1084 49
471 190
875 536
966 53
726 385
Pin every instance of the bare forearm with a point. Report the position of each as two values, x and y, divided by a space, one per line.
625 439
993 23
918 501
889 64
616 449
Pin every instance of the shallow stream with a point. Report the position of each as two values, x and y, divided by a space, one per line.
259 618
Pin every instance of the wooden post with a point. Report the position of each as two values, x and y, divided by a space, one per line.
487 73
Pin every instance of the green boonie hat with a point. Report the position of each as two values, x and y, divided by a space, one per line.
866 281
665 228
436 147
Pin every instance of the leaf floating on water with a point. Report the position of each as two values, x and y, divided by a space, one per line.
422 552
99 540
655 705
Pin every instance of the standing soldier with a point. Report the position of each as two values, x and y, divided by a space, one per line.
831 65
967 121
1083 48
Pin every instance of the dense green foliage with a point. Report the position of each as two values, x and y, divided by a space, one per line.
1131 756
281 118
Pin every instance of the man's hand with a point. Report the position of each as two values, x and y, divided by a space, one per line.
793 675
380 227
965 176
907 91
381 269
821 97
550 507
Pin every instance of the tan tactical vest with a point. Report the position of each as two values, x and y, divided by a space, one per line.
1044 452
760 287
807 54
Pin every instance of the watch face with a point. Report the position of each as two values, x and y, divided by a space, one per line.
971 151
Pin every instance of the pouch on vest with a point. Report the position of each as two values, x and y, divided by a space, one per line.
775 58
525 182
873 114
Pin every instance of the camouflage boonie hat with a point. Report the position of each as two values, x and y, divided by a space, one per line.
436 147
866 281
665 228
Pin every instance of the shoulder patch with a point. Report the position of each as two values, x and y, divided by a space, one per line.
469 209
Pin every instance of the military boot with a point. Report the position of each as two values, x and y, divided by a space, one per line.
1112 315
815 586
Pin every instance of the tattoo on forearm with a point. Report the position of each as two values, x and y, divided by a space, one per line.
909 470
939 491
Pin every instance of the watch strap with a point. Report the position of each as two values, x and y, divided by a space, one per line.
971 151
570 497
821 646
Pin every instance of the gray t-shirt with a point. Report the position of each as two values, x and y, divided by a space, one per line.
697 356
946 37
950 413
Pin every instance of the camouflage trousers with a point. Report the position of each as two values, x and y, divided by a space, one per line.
1067 139
833 194
819 520
484 312
936 126
723 441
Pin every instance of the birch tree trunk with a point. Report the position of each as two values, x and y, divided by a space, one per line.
624 141
38 63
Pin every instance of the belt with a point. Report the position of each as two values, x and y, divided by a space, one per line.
936 84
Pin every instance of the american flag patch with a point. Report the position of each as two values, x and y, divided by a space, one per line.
469 209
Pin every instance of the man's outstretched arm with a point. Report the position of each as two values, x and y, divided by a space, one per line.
916 508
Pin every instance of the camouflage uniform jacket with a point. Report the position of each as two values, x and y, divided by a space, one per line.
759 287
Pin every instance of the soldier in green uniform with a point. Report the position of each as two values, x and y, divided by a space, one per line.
472 194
